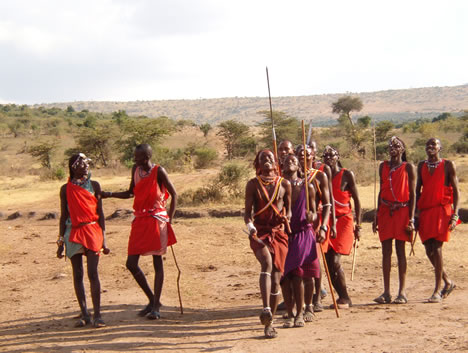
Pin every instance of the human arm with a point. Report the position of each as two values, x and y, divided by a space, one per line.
328 172
163 179
121 194
62 222
412 176
418 194
375 222
326 206
250 189
352 187
100 212
453 182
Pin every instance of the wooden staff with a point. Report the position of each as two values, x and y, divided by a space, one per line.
354 258
306 184
414 236
375 174
178 279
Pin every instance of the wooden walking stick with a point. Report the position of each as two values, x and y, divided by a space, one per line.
178 279
414 236
355 246
324 260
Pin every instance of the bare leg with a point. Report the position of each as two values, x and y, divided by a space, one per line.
132 265
95 284
158 284
275 289
308 293
386 264
298 293
287 296
268 281
401 255
337 276
264 257
434 253
77 266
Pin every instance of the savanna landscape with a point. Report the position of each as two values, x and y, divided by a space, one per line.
209 165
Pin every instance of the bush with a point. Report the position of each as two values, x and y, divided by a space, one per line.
204 156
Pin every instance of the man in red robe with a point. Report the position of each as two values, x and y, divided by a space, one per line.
266 196
438 195
151 231
395 215
344 189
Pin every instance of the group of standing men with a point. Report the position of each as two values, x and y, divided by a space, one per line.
298 207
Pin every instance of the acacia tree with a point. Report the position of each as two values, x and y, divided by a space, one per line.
345 105
205 128
43 152
232 132
286 127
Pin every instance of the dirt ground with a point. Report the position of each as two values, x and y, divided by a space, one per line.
221 301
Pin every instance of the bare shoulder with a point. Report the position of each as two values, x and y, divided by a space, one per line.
96 185
410 167
63 189
348 174
450 165
285 182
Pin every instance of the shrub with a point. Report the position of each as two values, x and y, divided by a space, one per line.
204 156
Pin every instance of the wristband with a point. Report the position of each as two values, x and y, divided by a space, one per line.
251 227
60 240
454 217
324 228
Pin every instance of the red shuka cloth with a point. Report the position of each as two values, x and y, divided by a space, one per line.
435 204
394 187
343 242
270 230
144 235
82 206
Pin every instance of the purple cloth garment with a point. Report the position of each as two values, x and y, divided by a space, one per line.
302 250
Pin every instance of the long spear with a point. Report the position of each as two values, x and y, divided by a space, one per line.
306 184
275 147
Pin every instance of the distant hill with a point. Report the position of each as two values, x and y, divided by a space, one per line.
395 105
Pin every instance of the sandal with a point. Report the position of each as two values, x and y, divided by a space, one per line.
436 298
153 315
289 323
318 308
309 315
401 299
98 323
146 310
447 290
83 321
383 299
270 331
299 321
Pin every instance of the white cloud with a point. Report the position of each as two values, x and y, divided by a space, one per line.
126 50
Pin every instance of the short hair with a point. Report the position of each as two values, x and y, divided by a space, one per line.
144 147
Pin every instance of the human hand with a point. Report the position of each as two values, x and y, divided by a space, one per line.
357 232
375 227
333 233
452 224
321 235
105 250
60 251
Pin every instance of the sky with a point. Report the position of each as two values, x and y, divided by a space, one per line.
127 50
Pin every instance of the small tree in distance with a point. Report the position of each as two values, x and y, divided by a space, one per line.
345 105
205 128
